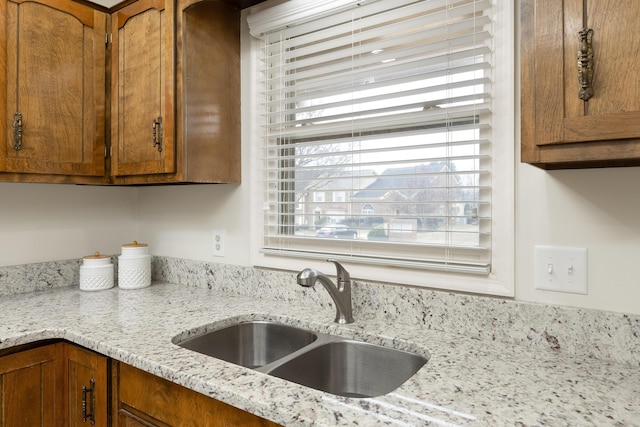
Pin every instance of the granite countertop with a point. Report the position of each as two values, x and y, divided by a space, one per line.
467 381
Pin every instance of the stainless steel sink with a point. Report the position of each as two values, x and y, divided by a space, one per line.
251 344
351 368
321 361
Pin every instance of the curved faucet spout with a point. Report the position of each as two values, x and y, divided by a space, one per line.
341 294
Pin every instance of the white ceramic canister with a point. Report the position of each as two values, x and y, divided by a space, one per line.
134 266
96 272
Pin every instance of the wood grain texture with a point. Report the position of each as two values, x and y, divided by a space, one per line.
206 98
53 59
210 102
178 61
142 399
558 129
31 388
142 88
80 367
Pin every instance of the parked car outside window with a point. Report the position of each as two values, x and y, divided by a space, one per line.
337 232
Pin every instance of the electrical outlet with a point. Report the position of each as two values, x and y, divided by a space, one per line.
218 242
561 269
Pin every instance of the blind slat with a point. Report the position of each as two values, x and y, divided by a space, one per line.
318 66
380 97
305 91
437 117
383 37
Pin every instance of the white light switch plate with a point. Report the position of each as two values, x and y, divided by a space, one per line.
560 269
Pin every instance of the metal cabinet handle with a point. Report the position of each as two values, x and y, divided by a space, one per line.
157 133
17 131
585 64
92 410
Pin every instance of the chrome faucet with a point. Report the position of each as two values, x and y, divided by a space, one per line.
341 293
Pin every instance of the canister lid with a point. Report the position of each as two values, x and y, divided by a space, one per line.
135 244
96 255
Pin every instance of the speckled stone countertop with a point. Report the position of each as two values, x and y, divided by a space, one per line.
467 380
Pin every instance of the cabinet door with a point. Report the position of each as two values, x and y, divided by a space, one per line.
557 125
142 399
142 130
86 374
31 388
52 55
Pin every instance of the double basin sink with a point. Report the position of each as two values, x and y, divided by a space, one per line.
324 362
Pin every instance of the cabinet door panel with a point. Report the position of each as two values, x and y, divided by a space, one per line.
129 417
142 89
614 110
142 399
616 58
55 59
82 366
560 130
30 388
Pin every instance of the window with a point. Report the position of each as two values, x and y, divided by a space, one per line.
393 105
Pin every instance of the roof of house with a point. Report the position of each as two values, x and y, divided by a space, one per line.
331 179
407 181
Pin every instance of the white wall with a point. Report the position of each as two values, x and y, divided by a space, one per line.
178 221
598 209
49 222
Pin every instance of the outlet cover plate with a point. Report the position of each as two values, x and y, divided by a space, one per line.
218 243
561 269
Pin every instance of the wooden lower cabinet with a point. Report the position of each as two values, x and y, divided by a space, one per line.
59 384
86 387
142 399
42 385
31 393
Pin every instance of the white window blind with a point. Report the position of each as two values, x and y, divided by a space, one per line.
384 108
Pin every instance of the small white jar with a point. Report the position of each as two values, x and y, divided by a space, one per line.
96 272
134 266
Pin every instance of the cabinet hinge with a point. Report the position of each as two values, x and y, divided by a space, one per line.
108 38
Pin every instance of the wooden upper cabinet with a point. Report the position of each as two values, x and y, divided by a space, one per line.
559 129
142 118
174 95
52 80
176 92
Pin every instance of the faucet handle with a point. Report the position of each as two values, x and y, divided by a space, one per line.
342 273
